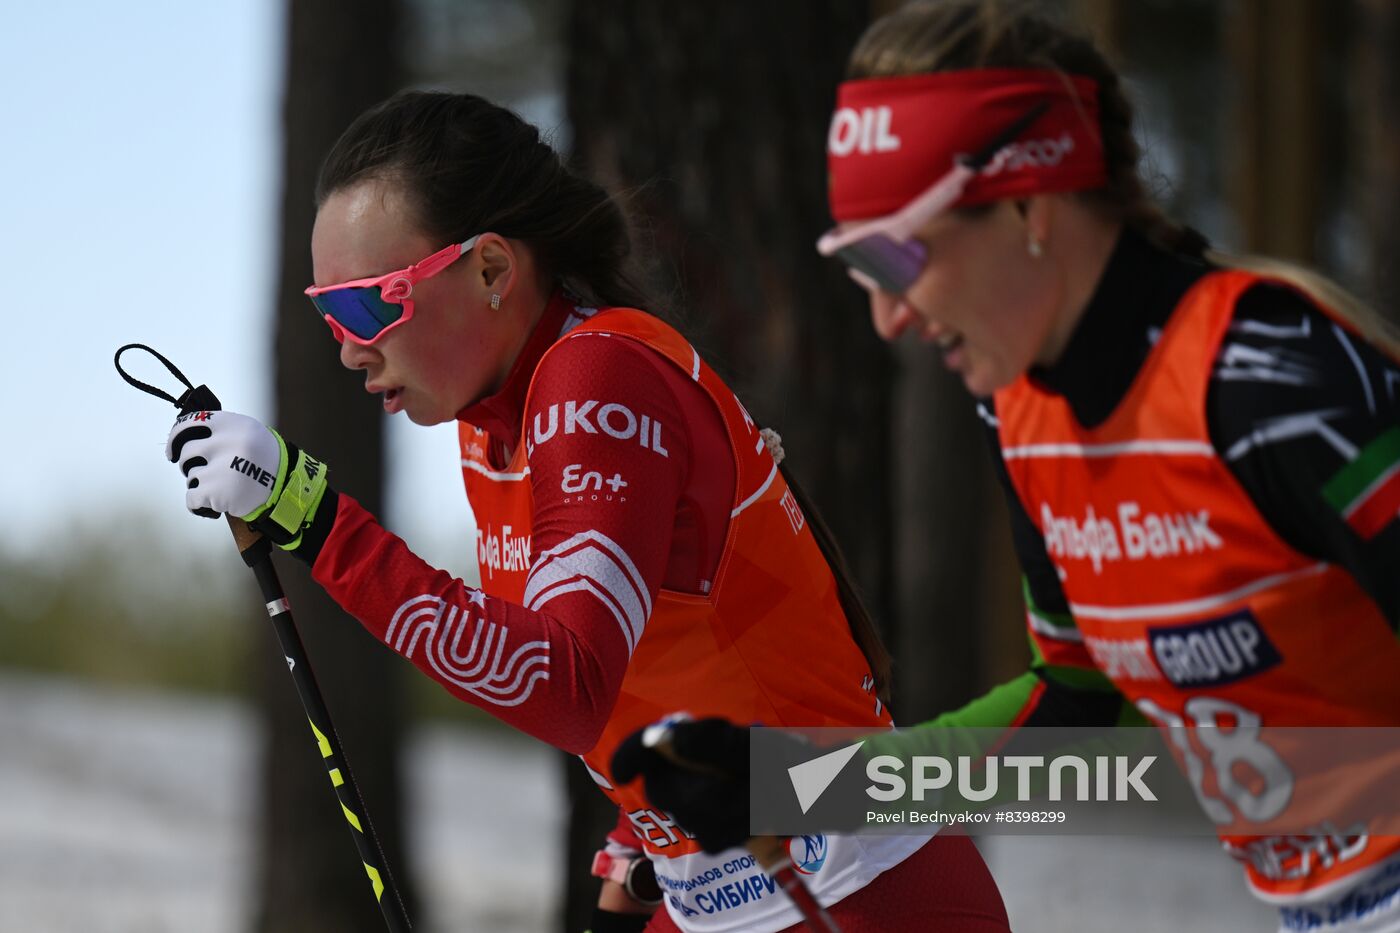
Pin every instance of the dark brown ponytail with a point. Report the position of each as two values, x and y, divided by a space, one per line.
863 629
468 166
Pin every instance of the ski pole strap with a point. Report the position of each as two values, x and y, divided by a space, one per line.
146 387
194 398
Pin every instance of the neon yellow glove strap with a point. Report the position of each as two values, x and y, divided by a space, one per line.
304 489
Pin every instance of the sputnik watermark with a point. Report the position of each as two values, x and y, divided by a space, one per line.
1077 778
1228 776
811 778
1114 778
1101 778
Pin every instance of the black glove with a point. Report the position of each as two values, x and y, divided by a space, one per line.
608 921
709 794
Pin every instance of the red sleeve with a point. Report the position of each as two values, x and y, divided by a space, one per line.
623 841
597 563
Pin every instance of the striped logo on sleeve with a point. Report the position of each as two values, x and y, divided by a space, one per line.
593 563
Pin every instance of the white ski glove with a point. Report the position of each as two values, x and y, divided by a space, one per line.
238 465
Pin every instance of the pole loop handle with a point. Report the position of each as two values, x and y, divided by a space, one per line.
147 387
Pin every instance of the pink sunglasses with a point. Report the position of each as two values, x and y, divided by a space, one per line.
364 310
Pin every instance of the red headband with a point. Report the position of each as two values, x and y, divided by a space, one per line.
891 138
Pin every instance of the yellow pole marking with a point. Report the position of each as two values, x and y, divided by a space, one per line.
374 878
321 741
337 780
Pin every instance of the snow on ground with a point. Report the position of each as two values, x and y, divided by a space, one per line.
127 812
122 812
1123 884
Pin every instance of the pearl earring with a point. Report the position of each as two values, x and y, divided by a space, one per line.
495 302
1035 248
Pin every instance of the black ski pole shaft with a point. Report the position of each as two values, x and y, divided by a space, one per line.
256 552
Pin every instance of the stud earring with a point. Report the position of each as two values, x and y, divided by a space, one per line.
1035 248
495 302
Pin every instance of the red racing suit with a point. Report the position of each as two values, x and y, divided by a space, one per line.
600 612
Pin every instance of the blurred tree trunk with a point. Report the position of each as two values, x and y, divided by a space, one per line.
1276 149
1378 80
712 118
960 623
341 57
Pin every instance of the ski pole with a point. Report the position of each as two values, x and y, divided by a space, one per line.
770 851
256 552
772 855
